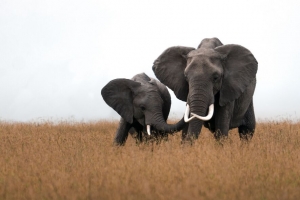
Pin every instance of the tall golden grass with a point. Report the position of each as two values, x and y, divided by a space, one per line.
69 160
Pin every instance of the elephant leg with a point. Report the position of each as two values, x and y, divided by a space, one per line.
184 131
122 132
246 130
132 131
136 134
222 120
140 136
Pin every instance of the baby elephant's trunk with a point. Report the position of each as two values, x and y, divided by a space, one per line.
167 128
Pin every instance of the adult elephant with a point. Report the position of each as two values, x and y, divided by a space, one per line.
144 105
217 81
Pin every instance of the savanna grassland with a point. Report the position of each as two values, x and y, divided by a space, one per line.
72 160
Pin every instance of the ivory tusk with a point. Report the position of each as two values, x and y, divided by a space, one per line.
209 115
149 129
186 114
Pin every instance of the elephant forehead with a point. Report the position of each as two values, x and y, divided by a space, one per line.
148 96
203 53
203 64
146 88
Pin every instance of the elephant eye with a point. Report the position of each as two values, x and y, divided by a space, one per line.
143 107
216 77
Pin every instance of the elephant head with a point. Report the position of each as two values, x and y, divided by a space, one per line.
198 76
143 100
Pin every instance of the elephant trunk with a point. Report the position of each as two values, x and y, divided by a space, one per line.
161 125
195 124
199 101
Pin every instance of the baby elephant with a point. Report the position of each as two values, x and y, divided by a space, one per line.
144 105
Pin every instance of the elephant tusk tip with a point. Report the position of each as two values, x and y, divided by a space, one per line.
148 129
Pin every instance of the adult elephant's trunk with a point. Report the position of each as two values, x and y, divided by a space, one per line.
161 125
199 108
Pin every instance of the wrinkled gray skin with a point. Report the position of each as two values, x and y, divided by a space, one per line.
223 75
140 101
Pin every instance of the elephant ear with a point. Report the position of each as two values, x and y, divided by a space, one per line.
169 69
118 94
240 67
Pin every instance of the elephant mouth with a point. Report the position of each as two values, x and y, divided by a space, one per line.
206 118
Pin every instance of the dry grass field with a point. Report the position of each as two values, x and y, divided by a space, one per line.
69 160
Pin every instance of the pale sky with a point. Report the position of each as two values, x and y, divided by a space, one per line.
56 55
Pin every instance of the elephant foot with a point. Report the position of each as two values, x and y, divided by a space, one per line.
246 137
187 142
219 136
246 133
188 139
